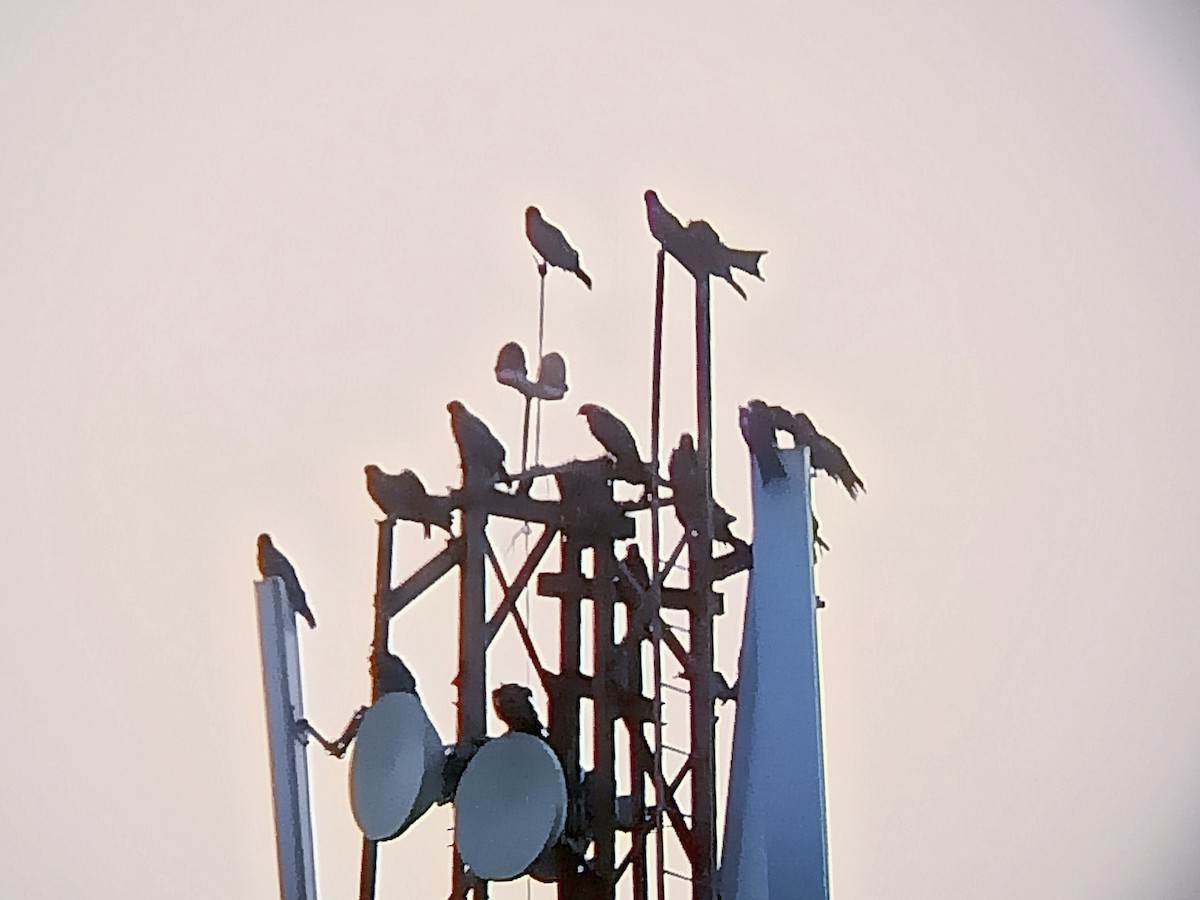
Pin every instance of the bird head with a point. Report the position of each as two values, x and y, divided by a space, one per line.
372 471
651 198
586 410
804 425
264 541
686 443
532 214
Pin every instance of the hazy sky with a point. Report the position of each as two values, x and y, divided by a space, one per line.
247 252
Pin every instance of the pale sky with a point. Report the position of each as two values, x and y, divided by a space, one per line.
247 252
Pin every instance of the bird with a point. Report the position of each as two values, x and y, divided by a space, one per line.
273 564
514 707
404 496
482 455
710 253
683 470
636 566
664 226
826 456
391 675
746 260
758 430
615 436
552 246
698 246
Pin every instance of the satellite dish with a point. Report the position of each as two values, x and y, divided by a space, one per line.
511 805
396 770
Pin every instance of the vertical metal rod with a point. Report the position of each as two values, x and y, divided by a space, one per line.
379 642
564 704
604 764
472 646
656 560
525 435
537 440
704 798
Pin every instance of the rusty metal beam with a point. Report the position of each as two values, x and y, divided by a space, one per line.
397 598
514 590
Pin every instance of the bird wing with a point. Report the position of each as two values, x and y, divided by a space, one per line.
553 246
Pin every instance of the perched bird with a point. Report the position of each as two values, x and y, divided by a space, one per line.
758 430
706 248
665 228
638 571
391 674
404 496
782 419
683 470
615 436
273 564
482 455
826 456
698 246
552 245
514 706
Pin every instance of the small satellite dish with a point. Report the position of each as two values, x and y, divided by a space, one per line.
396 770
511 805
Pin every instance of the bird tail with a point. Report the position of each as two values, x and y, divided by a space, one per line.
853 484
309 617
583 276
746 260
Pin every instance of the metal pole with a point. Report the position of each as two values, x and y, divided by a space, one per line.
703 777
656 560
472 646
537 439
564 708
379 642
604 749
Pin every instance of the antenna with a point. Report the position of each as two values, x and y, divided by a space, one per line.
528 804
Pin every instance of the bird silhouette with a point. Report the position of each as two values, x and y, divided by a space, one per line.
273 564
391 675
664 226
404 496
638 570
552 246
826 456
687 488
514 707
710 253
481 454
758 430
615 436
698 246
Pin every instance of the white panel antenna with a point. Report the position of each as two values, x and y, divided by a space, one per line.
775 844
289 763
